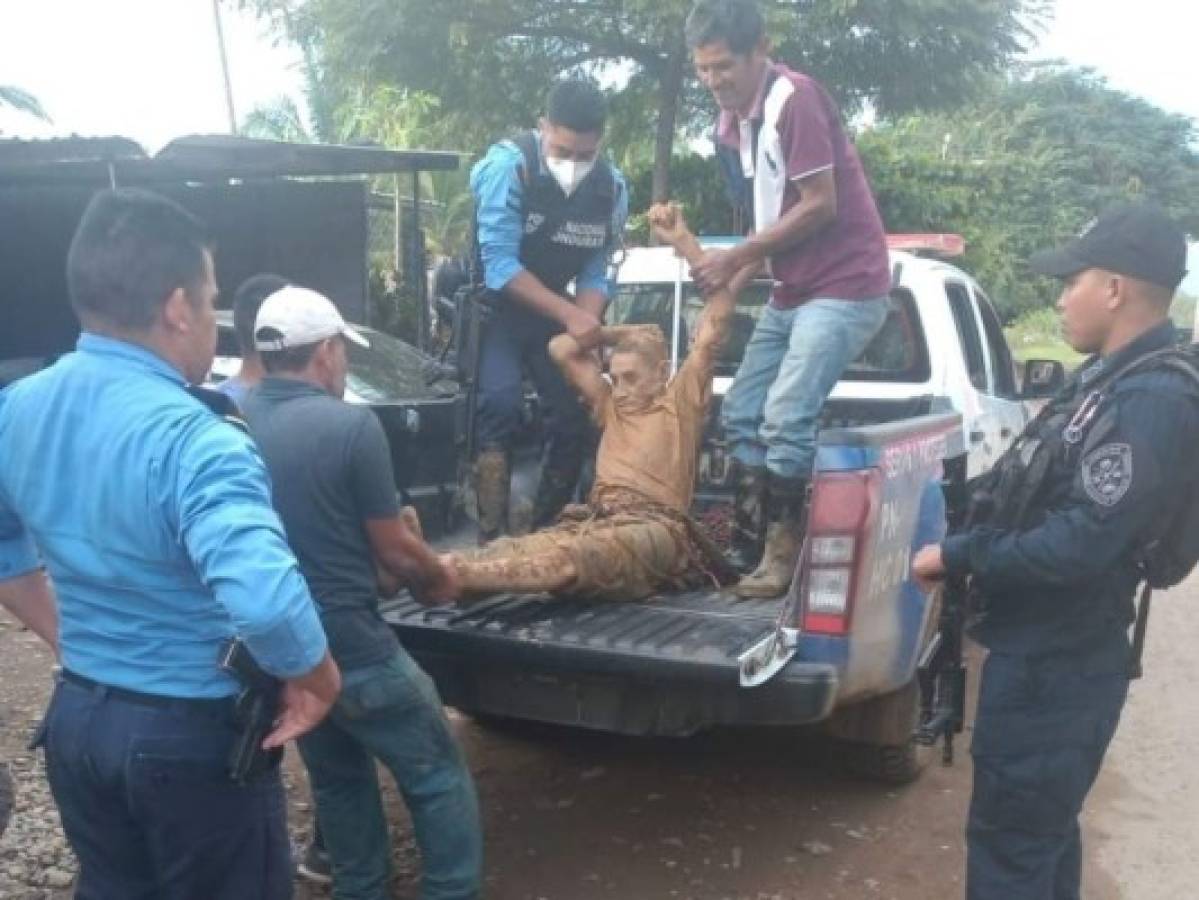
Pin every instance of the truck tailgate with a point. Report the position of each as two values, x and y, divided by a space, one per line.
695 635
666 666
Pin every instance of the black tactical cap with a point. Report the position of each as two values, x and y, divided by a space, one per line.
1134 239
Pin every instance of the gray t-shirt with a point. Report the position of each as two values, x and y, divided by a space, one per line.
330 468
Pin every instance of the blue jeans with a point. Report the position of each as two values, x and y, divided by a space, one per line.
516 342
1041 731
147 805
791 365
390 712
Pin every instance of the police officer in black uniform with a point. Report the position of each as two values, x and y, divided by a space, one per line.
1058 546
549 212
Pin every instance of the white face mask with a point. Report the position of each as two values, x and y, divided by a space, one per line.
569 173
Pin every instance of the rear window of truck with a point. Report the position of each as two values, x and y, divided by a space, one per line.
897 353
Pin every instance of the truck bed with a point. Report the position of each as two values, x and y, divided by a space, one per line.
668 664
695 634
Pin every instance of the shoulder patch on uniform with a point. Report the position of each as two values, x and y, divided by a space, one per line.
1107 473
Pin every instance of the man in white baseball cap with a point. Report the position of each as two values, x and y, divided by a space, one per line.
297 317
335 491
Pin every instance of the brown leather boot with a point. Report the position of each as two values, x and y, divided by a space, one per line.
786 513
493 484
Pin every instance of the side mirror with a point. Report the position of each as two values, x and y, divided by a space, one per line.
1042 378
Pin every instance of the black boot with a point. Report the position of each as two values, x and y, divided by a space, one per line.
492 488
787 519
555 489
748 535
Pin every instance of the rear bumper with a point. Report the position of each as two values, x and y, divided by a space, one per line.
663 667
623 697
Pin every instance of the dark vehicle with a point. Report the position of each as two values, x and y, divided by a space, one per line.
413 397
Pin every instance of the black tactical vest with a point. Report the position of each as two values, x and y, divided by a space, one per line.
1037 471
561 233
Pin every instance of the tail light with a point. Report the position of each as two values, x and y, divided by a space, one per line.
841 520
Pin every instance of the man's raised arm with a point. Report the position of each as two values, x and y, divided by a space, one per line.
669 225
581 368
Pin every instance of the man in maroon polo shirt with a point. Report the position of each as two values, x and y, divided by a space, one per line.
792 169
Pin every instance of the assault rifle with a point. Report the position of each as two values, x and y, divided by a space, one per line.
941 671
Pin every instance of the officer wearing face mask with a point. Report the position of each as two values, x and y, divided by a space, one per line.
549 212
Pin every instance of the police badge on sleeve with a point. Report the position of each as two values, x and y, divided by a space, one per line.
1107 473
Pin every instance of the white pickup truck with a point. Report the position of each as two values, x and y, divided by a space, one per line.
855 647
942 339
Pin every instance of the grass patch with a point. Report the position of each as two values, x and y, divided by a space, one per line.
1038 335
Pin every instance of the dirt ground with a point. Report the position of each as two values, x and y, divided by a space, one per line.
735 814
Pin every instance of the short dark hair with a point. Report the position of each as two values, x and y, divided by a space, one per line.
738 23
133 248
295 359
578 105
246 303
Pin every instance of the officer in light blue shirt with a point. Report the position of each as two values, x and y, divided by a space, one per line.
151 515
549 211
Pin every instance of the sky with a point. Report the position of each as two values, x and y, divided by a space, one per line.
150 69
145 69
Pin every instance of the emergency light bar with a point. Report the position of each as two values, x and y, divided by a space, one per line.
942 246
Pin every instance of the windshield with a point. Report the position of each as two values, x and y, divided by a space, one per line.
388 371
896 353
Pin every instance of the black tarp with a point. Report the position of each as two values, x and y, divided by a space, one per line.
314 233
271 206
200 158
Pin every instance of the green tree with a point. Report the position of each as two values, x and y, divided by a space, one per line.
1025 166
489 62
279 120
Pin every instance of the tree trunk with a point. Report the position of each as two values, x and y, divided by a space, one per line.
669 92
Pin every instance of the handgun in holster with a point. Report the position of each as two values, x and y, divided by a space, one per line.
256 709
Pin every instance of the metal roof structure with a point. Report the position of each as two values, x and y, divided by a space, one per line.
201 159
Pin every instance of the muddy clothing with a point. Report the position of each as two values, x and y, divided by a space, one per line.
652 453
633 537
624 548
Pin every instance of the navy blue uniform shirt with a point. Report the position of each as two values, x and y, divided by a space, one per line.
1068 578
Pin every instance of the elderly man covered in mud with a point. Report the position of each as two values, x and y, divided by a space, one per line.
633 537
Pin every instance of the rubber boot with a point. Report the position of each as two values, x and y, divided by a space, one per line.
786 519
493 485
748 536
555 489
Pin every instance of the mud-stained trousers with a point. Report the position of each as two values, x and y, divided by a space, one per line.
621 557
